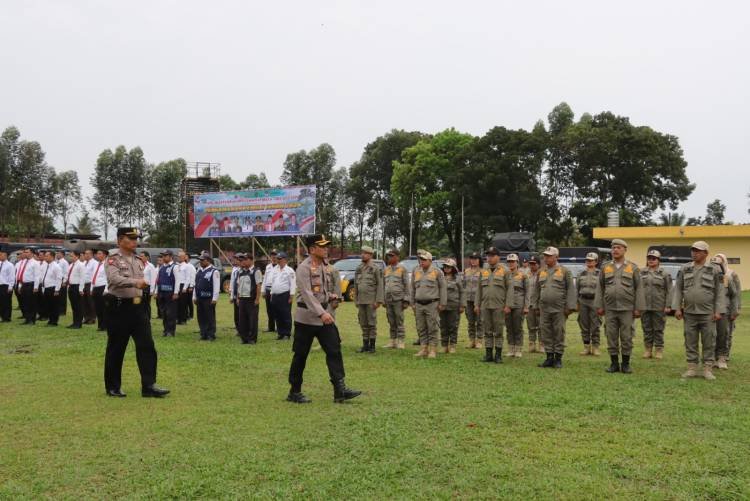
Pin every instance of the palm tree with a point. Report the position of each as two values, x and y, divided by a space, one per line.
85 225
672 219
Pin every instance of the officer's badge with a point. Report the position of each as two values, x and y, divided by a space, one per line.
609 269
485 273
433 274
417 275
629 268
558 272
542 274
500 272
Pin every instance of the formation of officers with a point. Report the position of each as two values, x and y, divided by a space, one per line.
497 298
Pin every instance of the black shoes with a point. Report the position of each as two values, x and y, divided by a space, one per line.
614 366
557 361
73 327
365 346
154 391
298 398
498 356
549 361
116 393
488 355
341 393
625 367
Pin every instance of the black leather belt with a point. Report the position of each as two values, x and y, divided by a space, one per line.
304 306
124 300
424 302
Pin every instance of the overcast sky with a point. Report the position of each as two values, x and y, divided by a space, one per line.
244 83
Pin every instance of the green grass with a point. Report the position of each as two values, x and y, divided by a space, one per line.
446 428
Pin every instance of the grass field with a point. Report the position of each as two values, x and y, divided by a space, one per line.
446 428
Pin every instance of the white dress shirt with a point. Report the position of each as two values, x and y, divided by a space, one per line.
284 280
29 272
51 276
232 285
7 274
64 265
99 276
190 272
149 275
77 274
90 267
268 277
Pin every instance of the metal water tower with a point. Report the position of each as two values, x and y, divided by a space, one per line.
201 177
613 219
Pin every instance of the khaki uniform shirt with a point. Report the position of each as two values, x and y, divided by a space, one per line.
428 286
368 281
698 289
122 274
471 283
533 301
396 283
657 289
588 281
495 290
730 296
314 290
620 288
455 293
555 290
520 285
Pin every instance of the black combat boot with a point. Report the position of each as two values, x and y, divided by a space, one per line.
297 398
549 362
342 393
365 346
498 355
488 355
557 361
371 348
615 365
625 368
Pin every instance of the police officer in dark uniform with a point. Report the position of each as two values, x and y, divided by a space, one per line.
205 296
247 285
127 317
167 291
314 319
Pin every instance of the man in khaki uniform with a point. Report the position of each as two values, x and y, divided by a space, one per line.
368 284
494 297
697 298
471 284
619 296
555 293
657 290
396 298
429 297
519 306
588 320
532 319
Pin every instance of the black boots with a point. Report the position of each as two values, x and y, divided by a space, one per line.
557 361
625 368
615 365
549 362
297 398
498 355
341 393
372 346
365 346
488 355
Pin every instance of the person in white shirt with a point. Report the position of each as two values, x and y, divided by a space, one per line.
190 277
51 284
7 281
98 286
154 290
27 284
149 275
233 293
186 291
205 296
267 281
75 280
283 288
63 264
89 310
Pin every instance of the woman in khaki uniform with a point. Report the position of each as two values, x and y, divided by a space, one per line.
450 316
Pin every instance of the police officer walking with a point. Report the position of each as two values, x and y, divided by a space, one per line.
657 290
429 296
368 283
519 306
127 317
471 284
697 298
205 296
396 280
555 293
588 320
494 297
314 319
620 297
168 283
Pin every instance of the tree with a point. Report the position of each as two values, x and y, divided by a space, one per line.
672 219
226 183
255 181
68 196
85 224
314 167
715 213
165 180
342 201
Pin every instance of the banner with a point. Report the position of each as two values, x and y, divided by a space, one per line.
266 212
